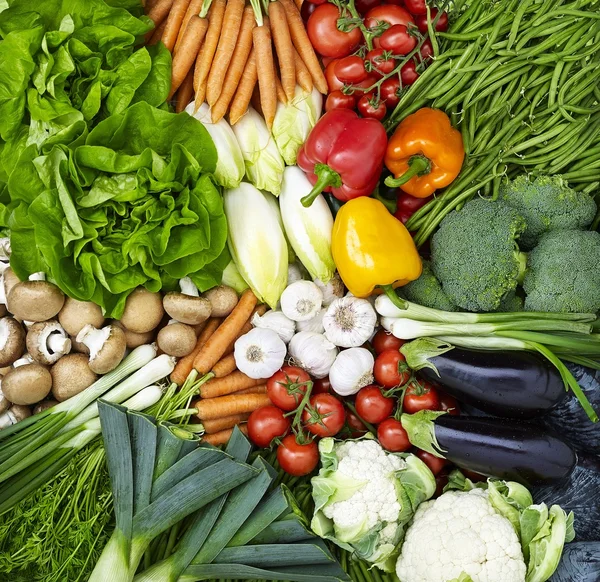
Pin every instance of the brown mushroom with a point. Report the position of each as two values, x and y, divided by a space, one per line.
176 339
186 306
75 314
12 341
47 342
79 347
16 413
223 299
135 340
35 300
143 311
9 280
44 405
5 403
27 384
107 347
70 376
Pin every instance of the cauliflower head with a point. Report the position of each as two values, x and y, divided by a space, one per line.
461 533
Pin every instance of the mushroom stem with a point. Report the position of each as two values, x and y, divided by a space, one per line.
26 359
40 276
188 288
13 415
93 338
4 333
57 343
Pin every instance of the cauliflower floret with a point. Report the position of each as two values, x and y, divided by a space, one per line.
460 532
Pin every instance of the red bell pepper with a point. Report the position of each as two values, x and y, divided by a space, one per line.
343 155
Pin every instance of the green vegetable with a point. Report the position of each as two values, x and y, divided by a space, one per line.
511 302
132 205
547 203
563 274
474 254
427 291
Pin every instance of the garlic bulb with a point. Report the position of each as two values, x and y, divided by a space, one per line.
284 327
349 322
259 353
312 352
294 273
332 290
301 301
351 371
314 324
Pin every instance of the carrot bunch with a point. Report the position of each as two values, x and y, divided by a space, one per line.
228 398
225 51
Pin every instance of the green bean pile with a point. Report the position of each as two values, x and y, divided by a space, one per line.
521 80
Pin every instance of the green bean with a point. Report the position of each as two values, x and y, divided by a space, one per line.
589 137
491 88
539 31
512 36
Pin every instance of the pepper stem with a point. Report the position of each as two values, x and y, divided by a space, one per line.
417 166
393 297
326 177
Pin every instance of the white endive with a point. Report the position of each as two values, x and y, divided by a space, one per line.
293 122
230 162
256 242
307 229
264 164
232 278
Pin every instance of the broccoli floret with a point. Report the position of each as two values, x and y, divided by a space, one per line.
512 302
474 254
547 203
427 291
562 273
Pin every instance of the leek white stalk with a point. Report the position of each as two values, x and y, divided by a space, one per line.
256 242
307 229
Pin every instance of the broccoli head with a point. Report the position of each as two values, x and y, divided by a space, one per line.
427 291
547 203
474 254
510 303
562 273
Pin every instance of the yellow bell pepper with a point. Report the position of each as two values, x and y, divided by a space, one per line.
371 248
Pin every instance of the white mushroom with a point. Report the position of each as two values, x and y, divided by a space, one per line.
75 314
27 384
223 299
143 311
70 376
35 300
14 414
176 339
47 342
44 405
135 340
107 347
12 341
187 306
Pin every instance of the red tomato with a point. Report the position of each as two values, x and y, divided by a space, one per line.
449 404
356 425
286 387
434 463
383 341
339 100
408 73
440 482
365 85
317 2
331 412
350 69
475 477
420 395
426 50
372 405
265 424
389 91
416 6
392 436
324 35
371 107
297 459
363 6
307 9
333 83
321 386
397 40
396 2
442 23
387 13
407 205
381 62
390 369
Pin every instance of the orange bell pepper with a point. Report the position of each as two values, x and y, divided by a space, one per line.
425 153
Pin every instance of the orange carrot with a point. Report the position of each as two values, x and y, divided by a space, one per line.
262 389
222 437
213 426
302 73
232 383
241 52
211 408
159 11
207 53
174 21
184 365
193 8
185 92
188 51
279 91
230 30
284 47
154 36
298 4
224 366
217 344
255 101
303 46
243 94
261 37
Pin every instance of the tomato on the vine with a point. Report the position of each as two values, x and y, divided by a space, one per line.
435 464
324 416
392 436
295 458
317 2
441 25
398 40
339 100
363 6
307 9
372 405
388 14
350 69
407 205
408 73
371 107
389 91
384 340
381 62
364 86
420 395
267 423
416 6
355 424
333 83
287 386
326 38
322 386
449 404
390 369
426 50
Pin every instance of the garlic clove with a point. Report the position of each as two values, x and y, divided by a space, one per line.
332 290
276 321
312 352
314 324
301 300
